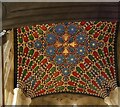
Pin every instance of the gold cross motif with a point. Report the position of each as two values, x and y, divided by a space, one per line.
66 44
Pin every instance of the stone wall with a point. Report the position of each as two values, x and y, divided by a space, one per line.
8 67
67 99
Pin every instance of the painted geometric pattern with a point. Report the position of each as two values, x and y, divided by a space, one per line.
76 57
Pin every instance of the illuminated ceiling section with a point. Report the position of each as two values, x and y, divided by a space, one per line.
75 57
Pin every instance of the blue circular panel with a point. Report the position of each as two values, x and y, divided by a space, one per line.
72 29
80 38
59 59
65 71
81 50
71 59
38 44
50 38
59 29
93 44
50 50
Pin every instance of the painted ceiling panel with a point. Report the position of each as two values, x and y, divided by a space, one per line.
74 57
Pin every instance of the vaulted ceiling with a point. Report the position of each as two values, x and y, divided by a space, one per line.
76 57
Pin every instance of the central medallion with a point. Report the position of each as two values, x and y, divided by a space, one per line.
66 45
